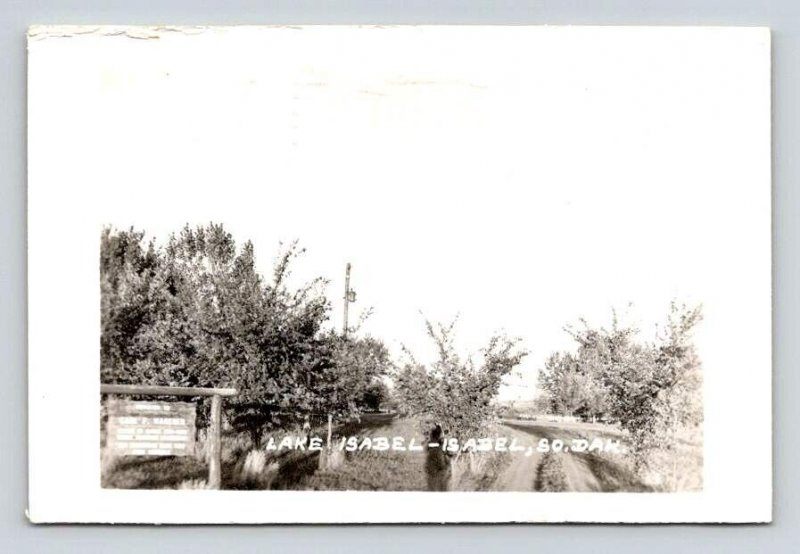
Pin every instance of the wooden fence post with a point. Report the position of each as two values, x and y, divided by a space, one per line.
215 444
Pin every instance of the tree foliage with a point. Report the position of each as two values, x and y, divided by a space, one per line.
652 388
457 393
197 313
573 386
376 395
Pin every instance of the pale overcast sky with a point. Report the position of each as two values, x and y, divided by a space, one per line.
519 178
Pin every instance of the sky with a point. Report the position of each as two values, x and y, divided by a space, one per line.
517 179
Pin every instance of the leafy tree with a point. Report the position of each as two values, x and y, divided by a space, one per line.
455 392
130 282
565 383
658 395
197 313
653 389
412 387
574 383
356 365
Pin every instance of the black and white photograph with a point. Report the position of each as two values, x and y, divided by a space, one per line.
399 274
298 404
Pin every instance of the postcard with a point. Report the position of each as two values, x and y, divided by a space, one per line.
370 274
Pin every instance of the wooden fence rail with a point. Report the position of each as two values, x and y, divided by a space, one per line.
154 390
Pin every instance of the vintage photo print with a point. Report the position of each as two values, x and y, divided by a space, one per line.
399 274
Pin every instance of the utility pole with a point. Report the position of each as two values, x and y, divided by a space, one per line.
349 296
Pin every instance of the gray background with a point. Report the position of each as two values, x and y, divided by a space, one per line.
16 535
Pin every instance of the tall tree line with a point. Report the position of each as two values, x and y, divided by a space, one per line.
195 312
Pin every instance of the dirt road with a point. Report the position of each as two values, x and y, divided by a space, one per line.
520 475
584 472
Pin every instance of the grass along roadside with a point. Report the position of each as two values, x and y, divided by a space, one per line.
247 468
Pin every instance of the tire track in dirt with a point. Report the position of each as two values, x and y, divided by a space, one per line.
520 475
580 469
